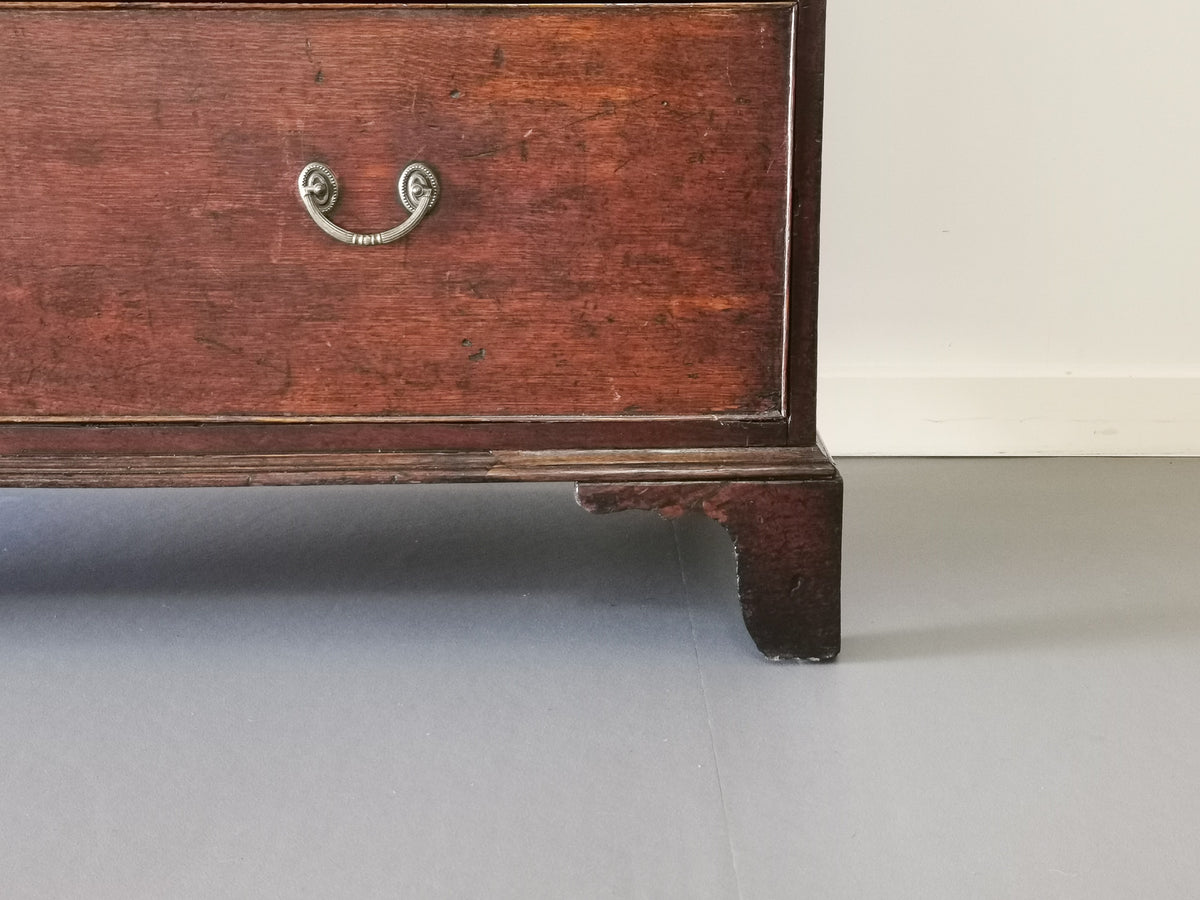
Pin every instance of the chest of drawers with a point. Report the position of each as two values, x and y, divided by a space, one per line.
601 266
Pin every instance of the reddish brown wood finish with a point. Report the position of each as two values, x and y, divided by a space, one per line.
624 432
788 540
610 238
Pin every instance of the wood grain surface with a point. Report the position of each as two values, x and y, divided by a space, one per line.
611 238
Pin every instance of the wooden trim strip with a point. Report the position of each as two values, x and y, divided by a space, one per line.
234 4
234 438
772 416
808 89
412 467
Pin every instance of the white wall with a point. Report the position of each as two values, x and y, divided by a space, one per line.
1011 227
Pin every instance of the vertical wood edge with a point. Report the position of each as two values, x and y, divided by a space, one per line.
808 84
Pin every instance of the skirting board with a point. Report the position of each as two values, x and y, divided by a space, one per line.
1009 416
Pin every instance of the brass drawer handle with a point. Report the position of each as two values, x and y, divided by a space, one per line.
417 186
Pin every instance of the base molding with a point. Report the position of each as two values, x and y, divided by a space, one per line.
781 505
182 470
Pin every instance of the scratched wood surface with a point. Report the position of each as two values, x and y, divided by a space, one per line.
610 238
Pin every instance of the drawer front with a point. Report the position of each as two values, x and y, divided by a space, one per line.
610 237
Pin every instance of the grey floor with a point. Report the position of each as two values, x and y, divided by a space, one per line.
484 692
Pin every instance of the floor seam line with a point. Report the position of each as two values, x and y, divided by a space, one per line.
712 740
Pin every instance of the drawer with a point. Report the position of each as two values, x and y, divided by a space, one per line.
611 236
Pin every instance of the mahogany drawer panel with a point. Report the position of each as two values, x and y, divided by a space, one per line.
610 240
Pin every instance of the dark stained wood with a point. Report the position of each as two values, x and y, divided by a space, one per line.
338 4
805 247
788 540
610 238
200 470
625 432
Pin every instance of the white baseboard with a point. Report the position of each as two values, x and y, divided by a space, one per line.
872 415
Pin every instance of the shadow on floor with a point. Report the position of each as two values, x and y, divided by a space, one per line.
446 539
